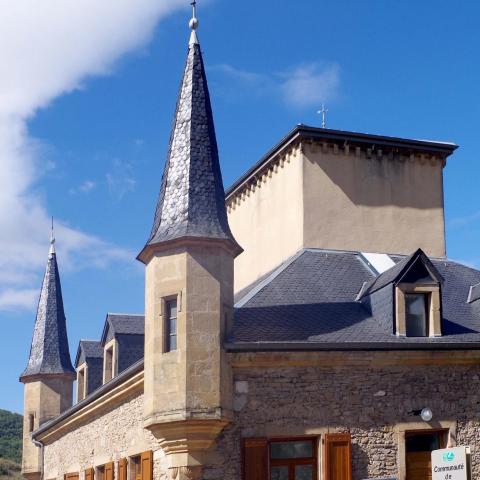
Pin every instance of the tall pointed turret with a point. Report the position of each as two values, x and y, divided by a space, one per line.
49 375
189 286
49 353
191 203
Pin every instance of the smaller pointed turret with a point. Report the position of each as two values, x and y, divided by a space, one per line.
49 375
49 352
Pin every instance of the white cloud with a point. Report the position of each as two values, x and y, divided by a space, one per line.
310 85
464 221
49 48
120 179
300 87
86 187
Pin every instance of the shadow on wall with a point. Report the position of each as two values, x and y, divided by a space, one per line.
380 181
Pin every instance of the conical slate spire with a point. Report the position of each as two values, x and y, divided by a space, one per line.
191 203
49 353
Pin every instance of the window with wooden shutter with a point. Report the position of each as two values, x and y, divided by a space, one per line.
122 469
71 476
146 459
89 474
337 456
108 472
255 459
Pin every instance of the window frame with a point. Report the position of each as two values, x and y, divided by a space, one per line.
433 306
167 343
110 349
82 370
426 306
292 462
131 463
31 422
99 472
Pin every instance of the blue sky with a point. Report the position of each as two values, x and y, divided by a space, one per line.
87 105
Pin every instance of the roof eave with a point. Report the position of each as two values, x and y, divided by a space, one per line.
304 131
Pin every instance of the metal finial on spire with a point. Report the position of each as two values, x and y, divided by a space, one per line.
52 241
323 112
193 24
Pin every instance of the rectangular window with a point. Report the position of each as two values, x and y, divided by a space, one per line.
416 314
100 473
80 384
293 460
108 364
135 468
141 466
170 325
31 422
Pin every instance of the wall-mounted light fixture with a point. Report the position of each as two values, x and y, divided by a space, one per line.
425 414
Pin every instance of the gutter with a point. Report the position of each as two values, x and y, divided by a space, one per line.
105 388
346 346
42 450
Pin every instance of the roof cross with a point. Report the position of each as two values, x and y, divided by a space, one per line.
323 113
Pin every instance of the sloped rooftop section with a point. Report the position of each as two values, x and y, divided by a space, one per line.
310 303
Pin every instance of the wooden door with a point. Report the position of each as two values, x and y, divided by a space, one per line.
338 456
419 466
255 459
419 447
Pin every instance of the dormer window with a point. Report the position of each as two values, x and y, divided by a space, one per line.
416 315
418 310
109 361
81 382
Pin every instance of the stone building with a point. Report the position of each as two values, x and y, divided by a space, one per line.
303 325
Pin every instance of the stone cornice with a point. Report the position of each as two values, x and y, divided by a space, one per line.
303 138
251 360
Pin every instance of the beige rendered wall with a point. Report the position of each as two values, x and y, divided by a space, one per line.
324 196
374 204
267 222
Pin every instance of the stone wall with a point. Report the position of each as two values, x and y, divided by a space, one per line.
373 404
116 434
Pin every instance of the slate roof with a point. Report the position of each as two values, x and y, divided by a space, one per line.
49 352
310 303
191 202
399 270
123 324
88 349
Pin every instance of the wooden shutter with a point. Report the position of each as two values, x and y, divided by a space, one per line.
146 460
122 469
89 474
71 476
338 456
255 459
108 475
